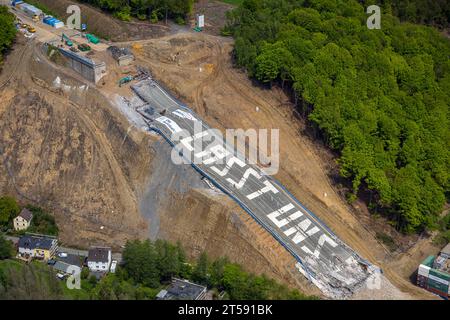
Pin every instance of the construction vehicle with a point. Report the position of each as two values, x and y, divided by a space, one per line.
31 29
92 39
125 80
66 39
84 47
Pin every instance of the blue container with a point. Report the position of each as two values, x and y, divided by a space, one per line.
51 21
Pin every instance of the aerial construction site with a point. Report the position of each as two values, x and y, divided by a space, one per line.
87 130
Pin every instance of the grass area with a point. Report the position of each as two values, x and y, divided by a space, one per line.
34 281
387 241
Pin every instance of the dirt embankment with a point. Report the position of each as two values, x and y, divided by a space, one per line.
65 147
215 14
106 26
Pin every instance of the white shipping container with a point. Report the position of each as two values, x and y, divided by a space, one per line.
59 24
424 270
200 21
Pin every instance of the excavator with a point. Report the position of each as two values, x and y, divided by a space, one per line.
66 39
125 80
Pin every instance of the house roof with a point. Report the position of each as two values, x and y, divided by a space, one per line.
26 214
61 266
71 259
35 242
182 290
98 254
64 267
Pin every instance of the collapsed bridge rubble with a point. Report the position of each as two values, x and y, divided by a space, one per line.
332 266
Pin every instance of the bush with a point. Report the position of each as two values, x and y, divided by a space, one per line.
124 14
42 222
9 209
151 263
443 237
154 17
85 273
180 21
386 240
8 30
141 17
6 248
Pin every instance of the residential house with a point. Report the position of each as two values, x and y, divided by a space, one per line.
66 268
68 263
99 259
37 246
23 220
182 290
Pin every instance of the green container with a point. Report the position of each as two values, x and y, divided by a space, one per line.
93 39
443 275
437 285
428 261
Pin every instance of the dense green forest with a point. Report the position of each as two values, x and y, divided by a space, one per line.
148 268
431 12
146 9
154 263
379 97
8 31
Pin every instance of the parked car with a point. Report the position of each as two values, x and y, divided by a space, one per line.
51 262
28 34
113 266
62 254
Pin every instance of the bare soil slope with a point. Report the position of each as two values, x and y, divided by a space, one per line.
64 149
106 26
64 146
